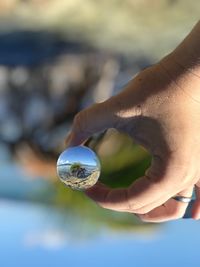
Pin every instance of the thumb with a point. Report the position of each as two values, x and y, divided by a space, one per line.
89 121
108 114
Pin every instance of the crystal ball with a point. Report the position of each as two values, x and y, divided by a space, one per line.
78 167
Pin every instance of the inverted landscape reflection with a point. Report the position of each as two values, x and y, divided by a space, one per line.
78 167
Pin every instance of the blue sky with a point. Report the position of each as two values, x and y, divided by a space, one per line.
78 154
31 236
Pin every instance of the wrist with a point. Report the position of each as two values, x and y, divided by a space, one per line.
182 66
187 54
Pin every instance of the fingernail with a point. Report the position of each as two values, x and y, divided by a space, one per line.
74 140
68 139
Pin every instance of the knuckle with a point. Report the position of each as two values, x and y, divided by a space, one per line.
141 210
186 177
186 171
133 204
130 203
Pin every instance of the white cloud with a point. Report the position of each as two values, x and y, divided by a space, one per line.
48 239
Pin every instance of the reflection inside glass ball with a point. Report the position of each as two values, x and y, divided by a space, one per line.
78 167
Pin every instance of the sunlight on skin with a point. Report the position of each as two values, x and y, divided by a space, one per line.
159 111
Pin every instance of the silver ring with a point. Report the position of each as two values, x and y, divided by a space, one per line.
182 199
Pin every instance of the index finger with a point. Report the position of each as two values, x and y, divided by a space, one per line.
135 198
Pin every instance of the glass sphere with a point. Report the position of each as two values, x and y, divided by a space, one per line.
78 167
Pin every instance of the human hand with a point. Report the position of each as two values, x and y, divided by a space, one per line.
160 110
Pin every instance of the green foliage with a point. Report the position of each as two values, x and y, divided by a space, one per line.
75 166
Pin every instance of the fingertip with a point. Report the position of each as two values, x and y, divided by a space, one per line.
196 211
96 192
74 140
93 189
90 190
195 216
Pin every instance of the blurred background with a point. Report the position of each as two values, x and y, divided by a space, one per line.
56 58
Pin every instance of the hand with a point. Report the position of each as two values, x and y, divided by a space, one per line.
159 109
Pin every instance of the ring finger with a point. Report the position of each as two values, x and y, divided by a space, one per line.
170 210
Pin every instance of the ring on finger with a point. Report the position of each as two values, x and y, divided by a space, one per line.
182 199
